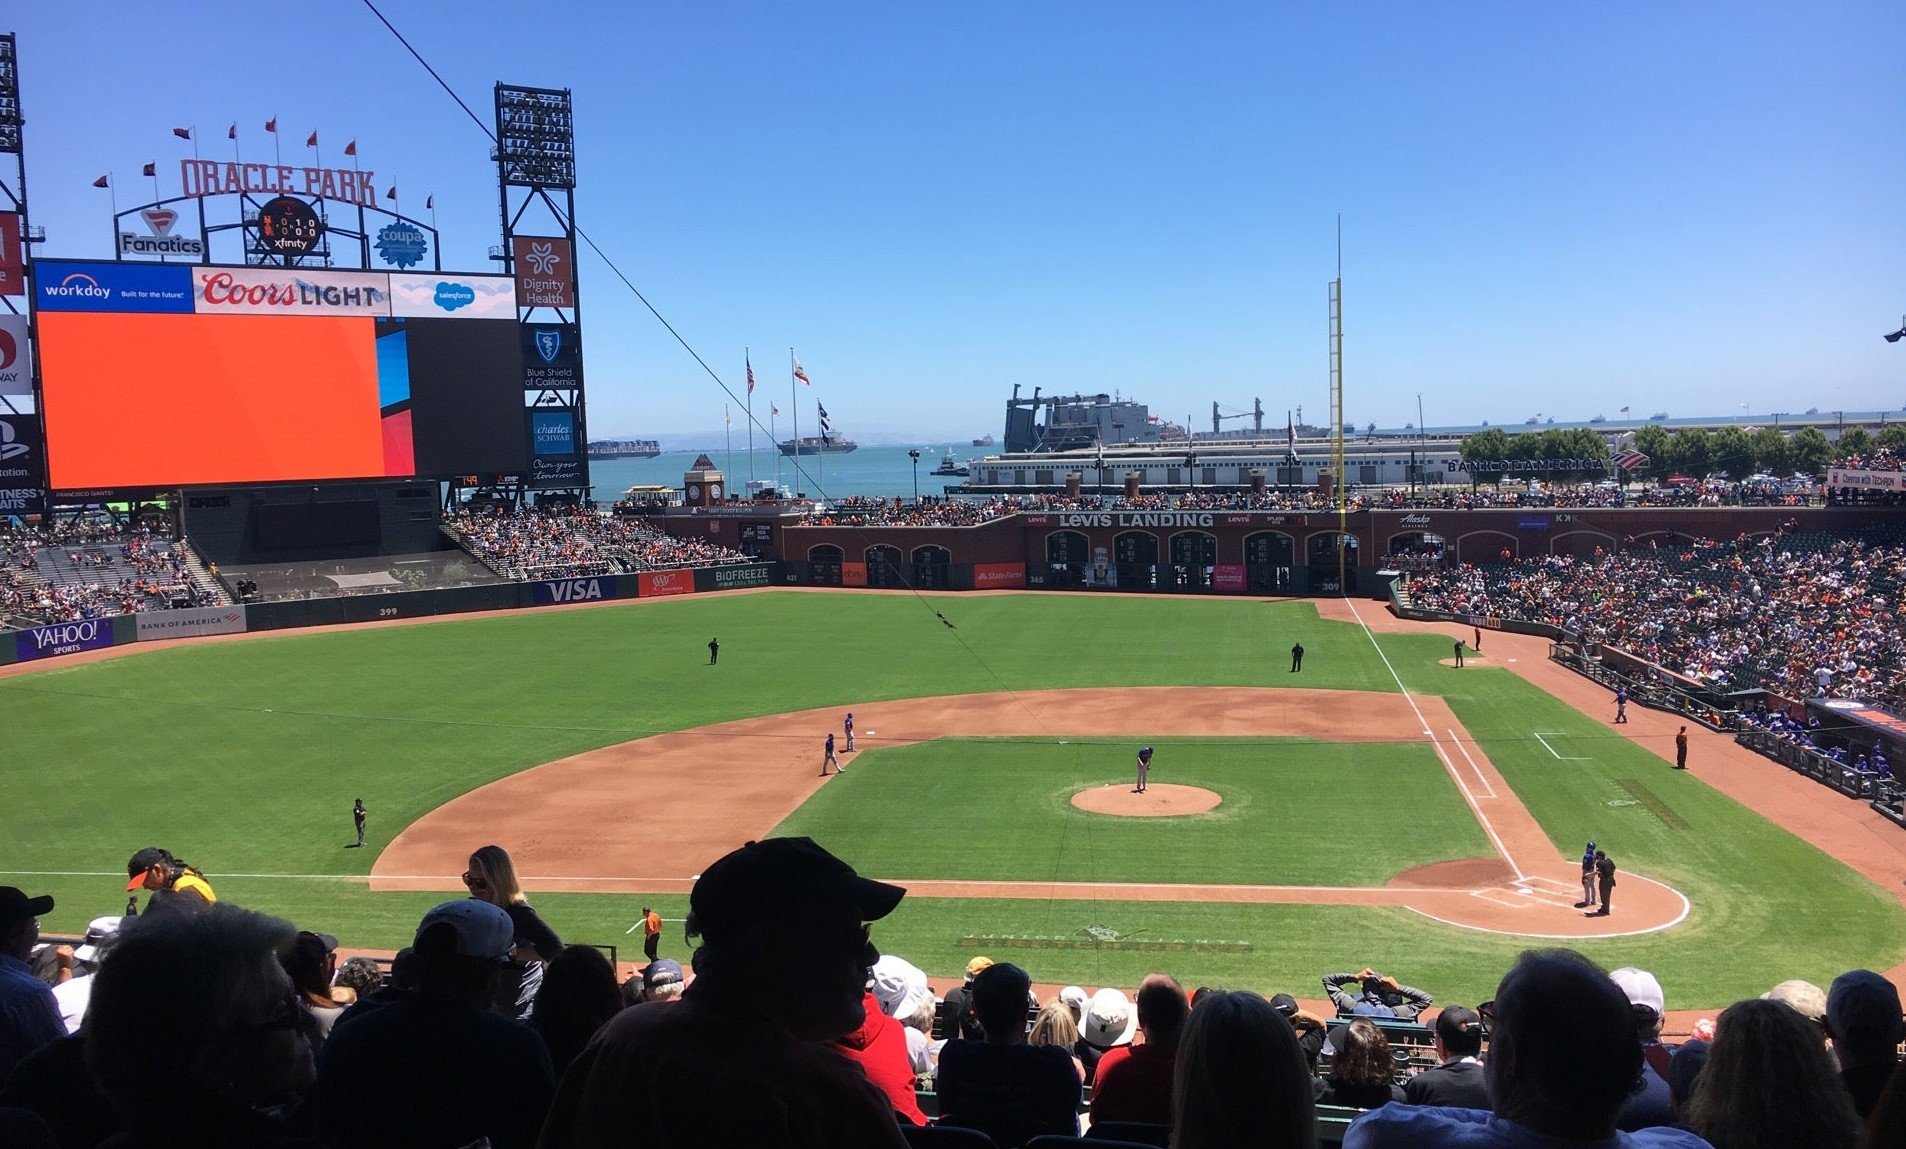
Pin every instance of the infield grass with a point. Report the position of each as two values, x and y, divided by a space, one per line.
1272 828
244 757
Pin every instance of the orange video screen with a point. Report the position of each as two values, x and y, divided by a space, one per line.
168 400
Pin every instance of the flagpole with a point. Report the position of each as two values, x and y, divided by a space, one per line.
750 371
794 401
277 151
822 450
728 430
774 442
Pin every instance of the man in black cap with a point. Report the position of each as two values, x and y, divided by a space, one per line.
29 1017
739 1060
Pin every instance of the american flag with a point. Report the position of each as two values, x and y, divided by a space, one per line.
750 366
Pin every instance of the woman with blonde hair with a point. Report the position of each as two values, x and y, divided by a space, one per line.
1241 1078
491 877
1769 1084
1054 1026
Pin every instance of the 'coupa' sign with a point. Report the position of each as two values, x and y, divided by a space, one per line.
63 638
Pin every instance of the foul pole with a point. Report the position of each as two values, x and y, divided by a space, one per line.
1336 408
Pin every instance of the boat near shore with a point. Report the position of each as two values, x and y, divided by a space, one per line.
815 445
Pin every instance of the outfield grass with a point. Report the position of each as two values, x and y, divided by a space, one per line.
1274 826
244 757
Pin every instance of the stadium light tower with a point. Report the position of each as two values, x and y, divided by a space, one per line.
914 454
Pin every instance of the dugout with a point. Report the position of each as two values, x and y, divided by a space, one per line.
1858 726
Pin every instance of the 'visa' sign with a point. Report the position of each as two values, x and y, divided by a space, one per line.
555 591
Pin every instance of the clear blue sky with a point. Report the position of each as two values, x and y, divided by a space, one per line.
1553 208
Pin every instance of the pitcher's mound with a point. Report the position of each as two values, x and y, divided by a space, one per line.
1160 800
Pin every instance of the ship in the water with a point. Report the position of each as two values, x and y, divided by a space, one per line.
624 449
949 466
983 441
816 445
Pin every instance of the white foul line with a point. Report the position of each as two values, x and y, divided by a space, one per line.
1490 791
1474 807
1551 749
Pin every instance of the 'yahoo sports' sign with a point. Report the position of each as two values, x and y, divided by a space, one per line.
63 638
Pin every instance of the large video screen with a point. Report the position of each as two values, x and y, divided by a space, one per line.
157 375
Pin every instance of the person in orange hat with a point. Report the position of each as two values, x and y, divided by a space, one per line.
156 869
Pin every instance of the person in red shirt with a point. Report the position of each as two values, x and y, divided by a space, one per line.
1134 1081
880 1046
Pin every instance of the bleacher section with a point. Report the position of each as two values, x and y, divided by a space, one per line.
92 574
376 574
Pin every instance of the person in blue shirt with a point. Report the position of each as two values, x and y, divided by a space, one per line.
29 1017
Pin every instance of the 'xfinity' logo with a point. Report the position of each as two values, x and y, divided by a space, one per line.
451 296
78 285
8 448
549 343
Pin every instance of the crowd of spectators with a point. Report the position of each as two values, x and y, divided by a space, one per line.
548 543
83 569
1879 459
199 1017
1802 615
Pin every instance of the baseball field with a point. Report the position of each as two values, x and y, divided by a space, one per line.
1378 808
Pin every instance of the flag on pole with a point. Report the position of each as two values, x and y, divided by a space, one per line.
827 428
772 408
800 372
104 181
750 364
430 202
1099 455
350 149
392 193
1624 410
727 416
231 133
151 170
1290 437
271 125
182 133
312 142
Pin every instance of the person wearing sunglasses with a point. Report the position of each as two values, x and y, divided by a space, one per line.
491 877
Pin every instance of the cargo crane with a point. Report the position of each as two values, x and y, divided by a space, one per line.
1256 414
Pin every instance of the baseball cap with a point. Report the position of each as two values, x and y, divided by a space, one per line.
662 971
479 929
304 960
1862 1003
899 986
139 863
15 906
1458 1024
1074 997
776 877
1109 1019
1808 999
97 931
1641 988
1285 1004
974 967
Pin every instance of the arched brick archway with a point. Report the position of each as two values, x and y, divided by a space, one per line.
1193 555
824 561
1582 543
1135 557
929 566
1269 557
883 567
1487 546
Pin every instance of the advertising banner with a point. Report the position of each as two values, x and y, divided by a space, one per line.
545 270
402 244
16 356
158 238
154 624
454 296
998 576
1850 479
653 584
20 473
853 574
552 592
140 287
1227 577
1532 522
552 356
63 638
12 262
552 433
547 474
289 291
733 577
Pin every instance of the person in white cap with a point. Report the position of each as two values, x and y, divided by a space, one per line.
437 1066
76 992
1653 1104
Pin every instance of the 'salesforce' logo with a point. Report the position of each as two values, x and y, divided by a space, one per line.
451 296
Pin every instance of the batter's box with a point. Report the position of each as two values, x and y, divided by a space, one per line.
1549 885
1514 899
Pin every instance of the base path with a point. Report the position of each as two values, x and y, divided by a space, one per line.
646 816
